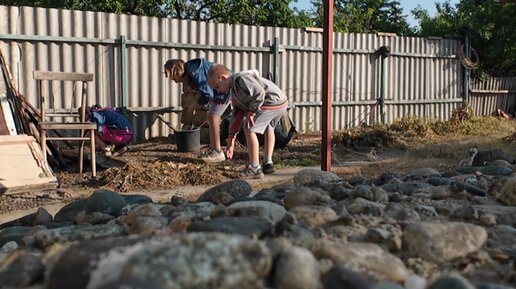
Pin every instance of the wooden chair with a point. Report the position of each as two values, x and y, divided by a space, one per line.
55 121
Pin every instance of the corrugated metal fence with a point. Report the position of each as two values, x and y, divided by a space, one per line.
485 96
422 76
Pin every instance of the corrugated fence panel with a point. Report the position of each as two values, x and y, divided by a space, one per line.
422 77
488 95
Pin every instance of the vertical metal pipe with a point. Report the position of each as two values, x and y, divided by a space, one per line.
465 88
382 89
275 60
123 73
327 78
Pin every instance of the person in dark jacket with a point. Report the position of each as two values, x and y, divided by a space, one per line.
114 131
194 73
263 104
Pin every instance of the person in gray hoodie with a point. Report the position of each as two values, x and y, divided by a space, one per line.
263 104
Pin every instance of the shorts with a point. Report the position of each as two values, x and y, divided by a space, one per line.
218 108
266 119
116 136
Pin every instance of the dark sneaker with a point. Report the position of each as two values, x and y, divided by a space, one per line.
213 156
120 151
250 173
268 168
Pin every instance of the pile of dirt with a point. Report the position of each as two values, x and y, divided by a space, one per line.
159 175
410 132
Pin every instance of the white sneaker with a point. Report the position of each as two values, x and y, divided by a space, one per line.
214 156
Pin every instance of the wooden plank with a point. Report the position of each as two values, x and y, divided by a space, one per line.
64 76
15 139
67 125
4 130
68 138
7 118
20 168
22 186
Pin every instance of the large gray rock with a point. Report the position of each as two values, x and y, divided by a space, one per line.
486 170
313 177
136 199
44 238
363 191
197 211
74 264
363 206
248 226
474 190
273 211
188 261
504 190
502 238
453 281
314 216
406 188
105 201
302 196
364 258
400 213
21 269
296 269
68 212
484 157
339 277
226 192
423 173
442 242
13 234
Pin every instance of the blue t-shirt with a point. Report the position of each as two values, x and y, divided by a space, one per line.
110 118
197 72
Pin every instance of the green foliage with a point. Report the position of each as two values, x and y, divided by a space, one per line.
365 16
256 12
489 23
147 8
305 161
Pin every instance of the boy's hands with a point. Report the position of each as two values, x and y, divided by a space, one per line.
250 119
230 148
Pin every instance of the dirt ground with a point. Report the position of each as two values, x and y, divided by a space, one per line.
156 165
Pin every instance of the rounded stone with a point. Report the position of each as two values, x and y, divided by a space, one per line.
296 269
453 281
105 201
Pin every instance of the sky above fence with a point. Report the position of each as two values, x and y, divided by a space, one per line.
407 6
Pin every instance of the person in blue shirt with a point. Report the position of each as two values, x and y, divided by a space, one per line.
113 129
194 73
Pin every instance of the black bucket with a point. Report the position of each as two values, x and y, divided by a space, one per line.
188 140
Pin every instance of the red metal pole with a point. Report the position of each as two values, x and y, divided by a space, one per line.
327 94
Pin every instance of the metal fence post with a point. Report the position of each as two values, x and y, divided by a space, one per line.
465 95
384 52
123 73
275 60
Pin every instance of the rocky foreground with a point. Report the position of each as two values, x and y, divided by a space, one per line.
425 229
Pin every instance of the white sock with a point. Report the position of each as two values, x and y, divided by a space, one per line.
254 167
267 160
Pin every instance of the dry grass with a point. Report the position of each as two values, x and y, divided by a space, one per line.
411 143
159 175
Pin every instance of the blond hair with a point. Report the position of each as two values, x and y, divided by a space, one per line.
174 68
217 70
